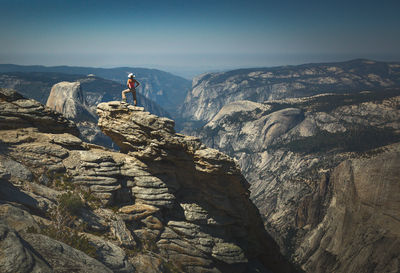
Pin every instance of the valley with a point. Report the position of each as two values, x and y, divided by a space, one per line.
315 147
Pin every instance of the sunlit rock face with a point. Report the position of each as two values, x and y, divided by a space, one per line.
75 96
160 92
166 203
322 172
200 189
359 232
212 91
68 99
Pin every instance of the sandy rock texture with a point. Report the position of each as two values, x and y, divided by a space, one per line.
167 203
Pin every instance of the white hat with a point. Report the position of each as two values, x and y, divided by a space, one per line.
131 75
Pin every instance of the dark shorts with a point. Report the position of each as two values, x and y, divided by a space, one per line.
133 91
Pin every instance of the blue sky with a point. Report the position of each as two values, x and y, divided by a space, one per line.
196 34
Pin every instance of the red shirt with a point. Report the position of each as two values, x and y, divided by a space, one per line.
131 83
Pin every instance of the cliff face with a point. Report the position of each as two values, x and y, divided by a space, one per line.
359 232
68 99
322 172
163 88
76 96
201 189
166 204
211 91
38 85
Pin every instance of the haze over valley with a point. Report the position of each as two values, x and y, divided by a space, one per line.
266 137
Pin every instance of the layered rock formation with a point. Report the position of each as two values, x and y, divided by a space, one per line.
211 91
18 112
166 204
203 190
76 97
322 172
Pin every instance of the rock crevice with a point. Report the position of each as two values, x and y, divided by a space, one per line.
166 202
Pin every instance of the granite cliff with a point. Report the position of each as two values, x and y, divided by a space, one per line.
163 88
38 85
323 173
77 97
166 203
69 99
211 91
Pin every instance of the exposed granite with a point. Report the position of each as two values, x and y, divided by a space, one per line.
289 151
167 203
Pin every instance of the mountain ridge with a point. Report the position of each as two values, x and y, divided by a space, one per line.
167 203
300 156
166 89
211 91
37 85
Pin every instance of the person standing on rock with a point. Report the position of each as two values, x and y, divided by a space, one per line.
132 85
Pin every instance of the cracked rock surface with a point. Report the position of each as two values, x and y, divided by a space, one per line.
322 173
166 203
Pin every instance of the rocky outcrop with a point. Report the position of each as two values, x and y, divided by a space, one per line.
307 161
76 96
18 112
158 88
201 189
27 252
212 91
166 204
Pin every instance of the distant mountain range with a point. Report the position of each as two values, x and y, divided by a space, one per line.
92 90
211 91
166 89
318 143
160 205
37 85
322 171
320 146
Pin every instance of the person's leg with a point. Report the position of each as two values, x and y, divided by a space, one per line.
134 97
124 94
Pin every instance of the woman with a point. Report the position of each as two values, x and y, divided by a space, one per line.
132 85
